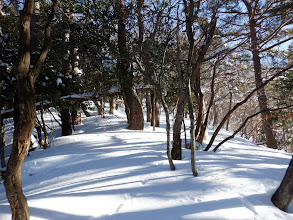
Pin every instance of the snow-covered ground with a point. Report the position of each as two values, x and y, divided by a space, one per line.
104 171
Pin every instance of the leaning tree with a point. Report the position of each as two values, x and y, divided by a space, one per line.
25 107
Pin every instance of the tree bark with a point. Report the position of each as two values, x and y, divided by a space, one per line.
46 141
192 132
2 143
284 194
39 133
168 128
2 135
87 114
21 143
25 109
76 117
100 106
195 59
66 122
140 4
177 145
148 106
35 26
215 114
155 110
132 103
261 95
112 105
230 106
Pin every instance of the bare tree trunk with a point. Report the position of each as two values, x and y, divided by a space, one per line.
168 129
112 105
66 122
192 132
21 144
133 106
262 98
284 194
230 106
76 117
100 106
187 146
148 106
215 114
26 113
140 4
39 133
46 141
2 143
87 114
35 26
155 110
177 145
2 137
203 134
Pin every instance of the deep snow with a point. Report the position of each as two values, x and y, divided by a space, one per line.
104 171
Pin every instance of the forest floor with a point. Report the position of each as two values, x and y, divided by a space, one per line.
104 171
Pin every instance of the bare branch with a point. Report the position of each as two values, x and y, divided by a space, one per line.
244 101
245 121
274 45
47 41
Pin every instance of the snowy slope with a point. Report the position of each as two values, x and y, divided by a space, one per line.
104 171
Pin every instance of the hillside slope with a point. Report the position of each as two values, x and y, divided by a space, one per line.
104 171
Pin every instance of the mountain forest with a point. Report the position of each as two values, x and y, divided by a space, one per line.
221 64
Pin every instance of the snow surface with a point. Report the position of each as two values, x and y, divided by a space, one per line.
104 171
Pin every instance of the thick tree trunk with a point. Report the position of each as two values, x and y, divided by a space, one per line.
203 121
284 194
177 148
261 95
21 143
132 104
156 110
136 121
66 122
203 135
112 105
25 109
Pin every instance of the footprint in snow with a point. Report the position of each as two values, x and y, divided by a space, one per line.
143 182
